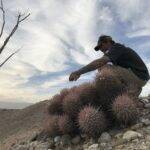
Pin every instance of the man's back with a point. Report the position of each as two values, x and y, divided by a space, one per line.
128 58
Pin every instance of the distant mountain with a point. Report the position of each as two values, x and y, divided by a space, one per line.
14 105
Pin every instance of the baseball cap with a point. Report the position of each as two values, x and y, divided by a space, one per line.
102 38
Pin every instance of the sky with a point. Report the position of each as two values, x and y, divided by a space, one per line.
59 37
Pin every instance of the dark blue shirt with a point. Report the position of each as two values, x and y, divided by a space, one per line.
128 58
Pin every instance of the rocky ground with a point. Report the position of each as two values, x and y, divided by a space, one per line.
135 137
20 124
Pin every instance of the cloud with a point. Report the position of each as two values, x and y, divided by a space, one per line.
59 38
139 33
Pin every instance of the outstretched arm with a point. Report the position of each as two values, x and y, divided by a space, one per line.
90 67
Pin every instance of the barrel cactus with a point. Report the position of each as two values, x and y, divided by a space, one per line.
87 93
108 88
55 105
72 104
51 125
91 121
125 109
65 124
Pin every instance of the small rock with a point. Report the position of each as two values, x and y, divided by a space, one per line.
42 136
85 146
42 146
33 144
105 137
57 139
88 143
118 136
119 142
93 147
145 121
103 144
22 147
92 141
135 140
137 126
148 138
65 140
33 137
51 143
69 148
147 130
147 105
76 140
130 135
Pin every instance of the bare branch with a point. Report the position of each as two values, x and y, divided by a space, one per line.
25 17
9 57
3 24
19 20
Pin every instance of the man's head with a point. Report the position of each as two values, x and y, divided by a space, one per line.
104 43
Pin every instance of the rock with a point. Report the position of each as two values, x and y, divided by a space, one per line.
76 140
106 146
42 146
135 140
147 105
143 146
92 141
146 102
33 144
118 136
119 142
147 130
57 139
88 143
137 126
22 147
85 146
130 135
51 143
65 140
39 145
93 147
103 144
105 137
42 136
145 121
148 138
33 137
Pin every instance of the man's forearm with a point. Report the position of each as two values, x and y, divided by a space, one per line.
94 65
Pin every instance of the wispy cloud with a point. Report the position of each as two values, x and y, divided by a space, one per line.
59 38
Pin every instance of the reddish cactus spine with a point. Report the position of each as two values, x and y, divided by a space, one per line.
72 104
51 125
87 93
125 109
108 88
55 105
92 121
65 124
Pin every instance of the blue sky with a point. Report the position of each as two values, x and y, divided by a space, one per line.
59 38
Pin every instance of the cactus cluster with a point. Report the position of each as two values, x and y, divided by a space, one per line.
90 107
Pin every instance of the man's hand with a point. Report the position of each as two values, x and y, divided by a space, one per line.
90 67
74 76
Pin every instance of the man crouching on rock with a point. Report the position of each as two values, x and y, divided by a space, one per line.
127 65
